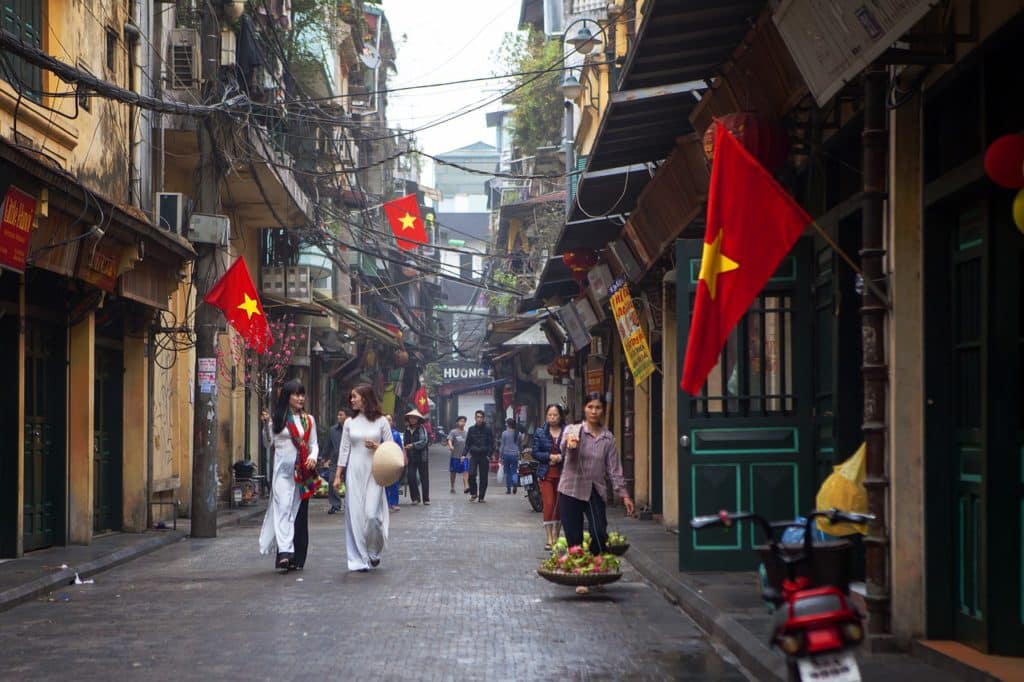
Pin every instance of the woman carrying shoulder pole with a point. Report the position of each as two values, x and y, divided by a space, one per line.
590 456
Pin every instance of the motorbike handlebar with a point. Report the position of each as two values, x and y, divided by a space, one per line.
727 518
838 516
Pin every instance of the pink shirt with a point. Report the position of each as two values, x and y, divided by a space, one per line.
587 465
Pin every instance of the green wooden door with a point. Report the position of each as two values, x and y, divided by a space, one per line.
745 440
107 437
43 433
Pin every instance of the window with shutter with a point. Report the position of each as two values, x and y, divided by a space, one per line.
23 18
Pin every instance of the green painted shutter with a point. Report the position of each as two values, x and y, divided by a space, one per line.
23 18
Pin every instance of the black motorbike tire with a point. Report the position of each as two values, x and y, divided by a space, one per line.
533 494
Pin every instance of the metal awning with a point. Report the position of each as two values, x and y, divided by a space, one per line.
682 40
534 336
555 280
354 319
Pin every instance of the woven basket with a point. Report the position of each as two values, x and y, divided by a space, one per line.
574 580
617 550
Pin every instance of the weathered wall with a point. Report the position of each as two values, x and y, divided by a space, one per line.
136 415
82 363
670 416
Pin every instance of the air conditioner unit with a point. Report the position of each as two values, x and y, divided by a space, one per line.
185 58
170 210
208 229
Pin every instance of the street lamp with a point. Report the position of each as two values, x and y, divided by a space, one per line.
571 86
584 41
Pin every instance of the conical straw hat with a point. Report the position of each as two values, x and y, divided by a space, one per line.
388 462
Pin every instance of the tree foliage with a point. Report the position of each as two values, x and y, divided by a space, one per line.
537 118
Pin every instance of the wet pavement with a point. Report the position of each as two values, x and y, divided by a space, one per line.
456 596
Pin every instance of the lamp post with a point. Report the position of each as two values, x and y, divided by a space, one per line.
583 42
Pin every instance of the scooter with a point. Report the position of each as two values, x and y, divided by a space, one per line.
528 481
815 625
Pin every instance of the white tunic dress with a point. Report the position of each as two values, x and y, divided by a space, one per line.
366 506
279 523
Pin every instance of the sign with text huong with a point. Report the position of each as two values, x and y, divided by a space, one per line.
634 342
18 212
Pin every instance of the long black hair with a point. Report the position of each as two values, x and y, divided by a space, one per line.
281 409
371 405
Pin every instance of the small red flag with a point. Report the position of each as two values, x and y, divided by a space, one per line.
752 224
404 216
421 401
236 296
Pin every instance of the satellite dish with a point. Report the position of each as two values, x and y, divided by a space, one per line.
370 57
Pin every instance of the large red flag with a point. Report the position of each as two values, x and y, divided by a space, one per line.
752 224
404 216
236 296
421 401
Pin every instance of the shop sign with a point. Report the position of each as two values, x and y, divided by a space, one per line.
634 342
99 264
456 373
19 210
595 381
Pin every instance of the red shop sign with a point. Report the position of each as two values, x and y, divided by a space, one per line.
18 212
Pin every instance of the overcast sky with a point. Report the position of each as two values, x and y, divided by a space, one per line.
440 41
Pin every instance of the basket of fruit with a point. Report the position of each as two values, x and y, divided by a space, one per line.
577 567
617 543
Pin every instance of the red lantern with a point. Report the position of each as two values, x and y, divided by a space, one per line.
763 137
401 358
1004 161
579 263
564 364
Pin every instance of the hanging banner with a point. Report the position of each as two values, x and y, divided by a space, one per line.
18 212
634 342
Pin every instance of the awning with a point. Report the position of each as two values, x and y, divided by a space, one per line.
354 319
478 387
534 336
555 280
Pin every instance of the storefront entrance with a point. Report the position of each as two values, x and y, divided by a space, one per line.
43 432
107 451
745 441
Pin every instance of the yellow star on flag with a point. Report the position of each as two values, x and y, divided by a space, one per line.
714 263
408 221
250 305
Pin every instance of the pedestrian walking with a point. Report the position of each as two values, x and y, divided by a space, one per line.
366 514
478 445
509 451
331 462
590 456
392 490
546 450
293 435
417 444
457 460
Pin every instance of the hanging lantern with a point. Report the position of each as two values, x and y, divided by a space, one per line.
401 358
564 364
762 136
1004 161
579 263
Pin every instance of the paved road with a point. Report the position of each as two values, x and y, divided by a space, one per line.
456 597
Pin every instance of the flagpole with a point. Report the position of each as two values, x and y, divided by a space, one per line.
853 266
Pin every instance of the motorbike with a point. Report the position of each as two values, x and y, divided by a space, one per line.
529 483
815 625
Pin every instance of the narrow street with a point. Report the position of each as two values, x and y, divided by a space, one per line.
456 597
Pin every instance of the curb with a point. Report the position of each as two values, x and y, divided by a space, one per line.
26 591
752 653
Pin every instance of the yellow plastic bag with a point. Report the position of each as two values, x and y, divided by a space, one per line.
844 489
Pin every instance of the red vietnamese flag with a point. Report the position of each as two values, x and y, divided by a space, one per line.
752 224
404 216
236 296
421 401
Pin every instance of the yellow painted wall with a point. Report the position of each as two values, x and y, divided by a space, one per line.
642 444
82 364
136 414
95 145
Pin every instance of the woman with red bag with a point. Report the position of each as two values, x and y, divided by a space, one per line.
293 434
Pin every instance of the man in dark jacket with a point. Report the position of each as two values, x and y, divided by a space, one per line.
479 443
331 461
